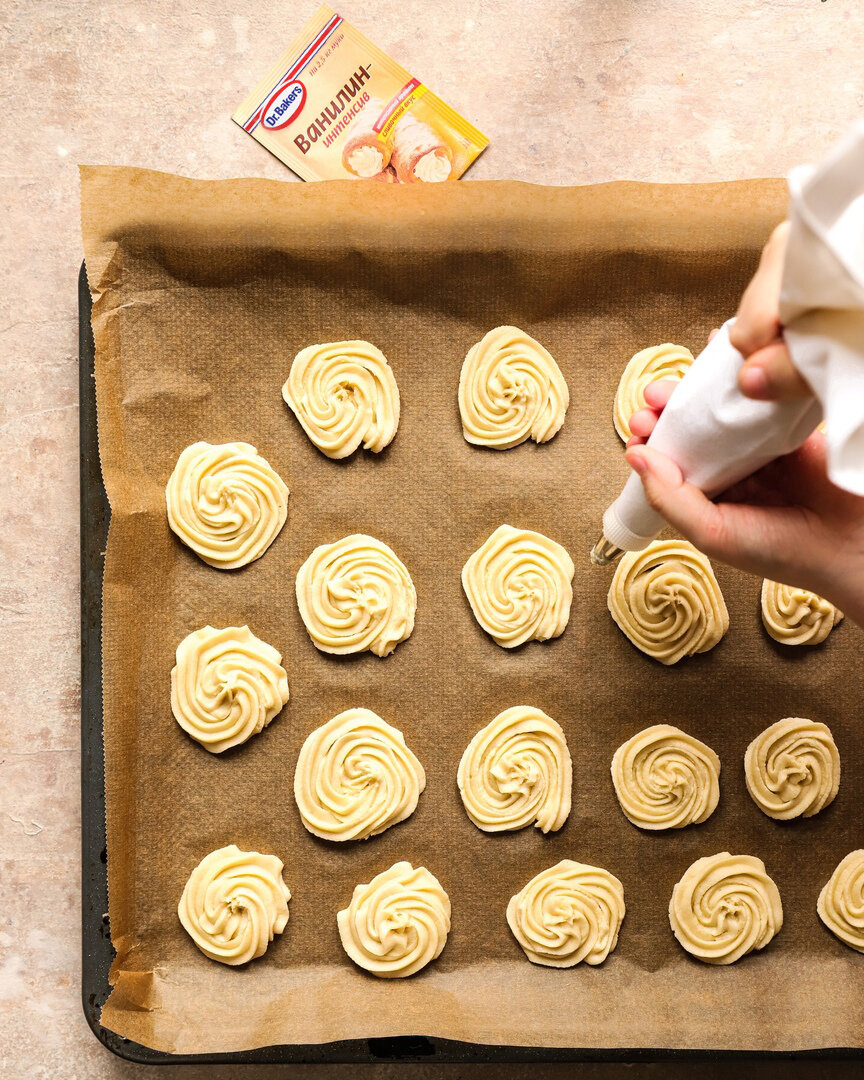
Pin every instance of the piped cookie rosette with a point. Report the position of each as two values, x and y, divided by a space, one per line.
796 616
366 152
420 154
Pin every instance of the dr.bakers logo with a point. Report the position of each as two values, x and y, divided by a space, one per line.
284 106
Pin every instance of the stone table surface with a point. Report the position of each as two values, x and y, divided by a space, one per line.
570 92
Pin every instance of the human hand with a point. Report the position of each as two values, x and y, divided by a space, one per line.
786 522
768 373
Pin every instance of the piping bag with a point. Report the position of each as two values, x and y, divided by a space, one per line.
715 434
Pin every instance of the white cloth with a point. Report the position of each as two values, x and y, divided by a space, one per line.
822 298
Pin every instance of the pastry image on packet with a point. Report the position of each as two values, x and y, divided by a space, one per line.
334 106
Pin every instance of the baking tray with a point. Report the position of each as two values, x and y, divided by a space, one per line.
98 951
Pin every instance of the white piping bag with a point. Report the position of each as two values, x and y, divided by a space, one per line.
718 436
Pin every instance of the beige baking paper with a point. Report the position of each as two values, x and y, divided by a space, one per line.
203 294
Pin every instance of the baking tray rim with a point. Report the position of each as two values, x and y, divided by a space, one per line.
97 950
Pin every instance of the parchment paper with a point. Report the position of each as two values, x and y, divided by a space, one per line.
203 294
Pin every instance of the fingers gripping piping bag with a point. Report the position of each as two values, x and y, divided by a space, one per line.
715 434
334 106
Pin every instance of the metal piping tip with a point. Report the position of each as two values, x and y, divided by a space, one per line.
603 553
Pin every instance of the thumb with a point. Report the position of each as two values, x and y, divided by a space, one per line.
769 375
683 505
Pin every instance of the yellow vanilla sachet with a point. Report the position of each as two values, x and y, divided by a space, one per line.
334 106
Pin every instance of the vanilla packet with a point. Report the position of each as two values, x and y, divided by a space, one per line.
334 106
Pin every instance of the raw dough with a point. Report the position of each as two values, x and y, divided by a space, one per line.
397 923
841 902
227 686
234 903
648 366
667 601
792 769
355 777
510 390
568 913
356 595
226 503
796 616
516 771
666 779
519 586
344 394
724 907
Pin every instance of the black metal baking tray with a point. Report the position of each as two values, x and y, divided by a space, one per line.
98 951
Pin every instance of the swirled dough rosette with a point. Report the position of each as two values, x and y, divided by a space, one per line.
355 596
355 777
397 923
226 503
511 390
519 586
650 365
841 902
234 903
227 686
666 779
667 601
568 913
344 394
724 907
792 769
796 616
517 771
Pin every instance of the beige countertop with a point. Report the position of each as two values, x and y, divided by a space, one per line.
570 92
